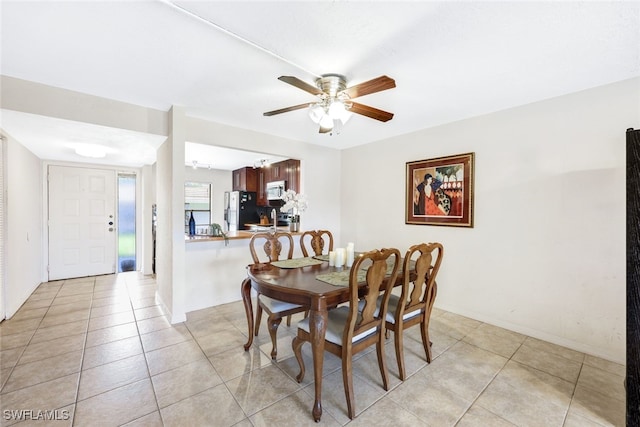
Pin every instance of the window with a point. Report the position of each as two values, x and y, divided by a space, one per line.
197 199
126 222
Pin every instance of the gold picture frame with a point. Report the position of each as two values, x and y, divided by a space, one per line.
440 191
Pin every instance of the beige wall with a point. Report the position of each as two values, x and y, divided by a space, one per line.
546 256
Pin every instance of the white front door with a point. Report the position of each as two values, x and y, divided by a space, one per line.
82 223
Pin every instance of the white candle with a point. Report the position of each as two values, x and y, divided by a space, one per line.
332 258
350 253
340 255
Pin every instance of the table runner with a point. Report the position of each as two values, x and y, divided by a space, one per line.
340 278
296 262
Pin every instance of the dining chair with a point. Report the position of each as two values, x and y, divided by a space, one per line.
418 293
276 310
350 331
317 240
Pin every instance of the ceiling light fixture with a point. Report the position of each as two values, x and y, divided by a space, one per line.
334 103
196 164
93 151
262 163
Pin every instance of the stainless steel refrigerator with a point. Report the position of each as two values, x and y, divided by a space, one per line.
240 209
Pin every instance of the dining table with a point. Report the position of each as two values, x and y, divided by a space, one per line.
310 282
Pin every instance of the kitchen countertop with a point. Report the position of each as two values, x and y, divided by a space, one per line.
231 235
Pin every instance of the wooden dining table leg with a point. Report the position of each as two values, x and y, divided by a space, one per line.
317 329
248 309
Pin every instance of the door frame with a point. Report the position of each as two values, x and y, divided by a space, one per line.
45 206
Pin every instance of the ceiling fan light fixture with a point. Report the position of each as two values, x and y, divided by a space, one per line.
326 122
334 105
316 111
339 110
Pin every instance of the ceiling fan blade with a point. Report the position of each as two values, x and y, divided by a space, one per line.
294 81
372 86
371 112
286 110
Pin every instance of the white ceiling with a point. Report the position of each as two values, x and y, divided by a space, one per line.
221 59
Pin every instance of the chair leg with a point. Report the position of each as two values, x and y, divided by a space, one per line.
296 344
424 330
289 320
347 380
258 318
273 323
399 343
382 363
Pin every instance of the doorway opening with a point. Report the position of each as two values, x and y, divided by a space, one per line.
126 222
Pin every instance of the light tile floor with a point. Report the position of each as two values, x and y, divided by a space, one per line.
99 352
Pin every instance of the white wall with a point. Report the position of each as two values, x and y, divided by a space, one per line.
546 256
24 250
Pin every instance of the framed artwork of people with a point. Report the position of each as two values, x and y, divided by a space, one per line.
440 191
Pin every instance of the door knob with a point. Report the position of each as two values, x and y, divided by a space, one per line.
110 228
110 222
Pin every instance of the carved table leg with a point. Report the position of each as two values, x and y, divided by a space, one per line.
248 309
317 329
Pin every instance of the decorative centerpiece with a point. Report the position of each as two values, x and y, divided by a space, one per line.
296 203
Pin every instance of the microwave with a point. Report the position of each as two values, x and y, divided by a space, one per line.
275 190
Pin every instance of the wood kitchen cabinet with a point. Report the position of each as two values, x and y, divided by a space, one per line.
277 171
245 179
262 179
286 170
292 171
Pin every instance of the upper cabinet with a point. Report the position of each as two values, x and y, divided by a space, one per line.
292 174
245 179
263 178
286 170
277 171
250 179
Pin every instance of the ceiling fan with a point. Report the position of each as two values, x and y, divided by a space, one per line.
335 99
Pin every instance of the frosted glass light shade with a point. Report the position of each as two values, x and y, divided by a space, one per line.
337 111
94 151
326 122
316 112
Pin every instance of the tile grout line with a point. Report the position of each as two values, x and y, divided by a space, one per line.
2 390
84 347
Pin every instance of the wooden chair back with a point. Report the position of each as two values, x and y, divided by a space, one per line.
272 246
419 289
317 241
382 268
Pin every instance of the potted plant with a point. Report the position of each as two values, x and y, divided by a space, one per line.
217 231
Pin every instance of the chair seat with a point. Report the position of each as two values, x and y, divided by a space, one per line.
335 326
391 310
277 306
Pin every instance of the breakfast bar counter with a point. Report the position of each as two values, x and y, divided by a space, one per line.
232 235
215 267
